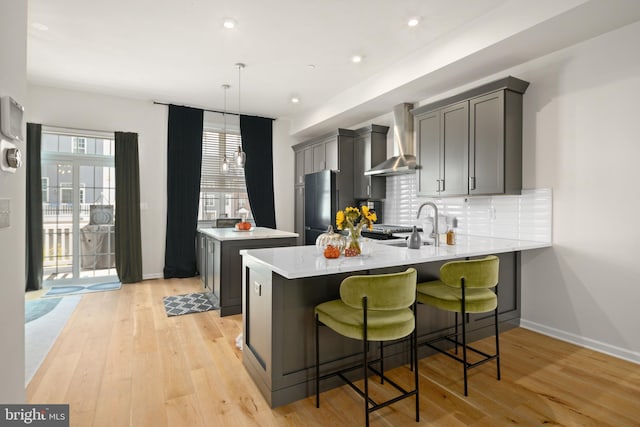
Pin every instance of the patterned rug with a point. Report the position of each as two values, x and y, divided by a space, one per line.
64 290
177 305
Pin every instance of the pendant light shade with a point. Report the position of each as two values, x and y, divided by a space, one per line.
224 167
240 155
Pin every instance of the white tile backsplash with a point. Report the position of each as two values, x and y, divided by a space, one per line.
523 217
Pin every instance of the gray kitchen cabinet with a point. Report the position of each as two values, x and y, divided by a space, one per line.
209 263
370 149
333 151
319 157
308 160
201 257
204 260
471 144
444 148
299 213
495 143
299 167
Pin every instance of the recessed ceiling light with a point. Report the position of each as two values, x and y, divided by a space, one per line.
356 59
39 26
412 22
311 66
295 99
229 23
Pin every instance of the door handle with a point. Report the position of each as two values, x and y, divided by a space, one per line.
472 183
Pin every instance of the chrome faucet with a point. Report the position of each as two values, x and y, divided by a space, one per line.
435 220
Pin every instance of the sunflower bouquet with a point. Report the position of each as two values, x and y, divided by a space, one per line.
353 219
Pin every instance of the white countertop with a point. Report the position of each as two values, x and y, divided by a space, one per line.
223 234
304 261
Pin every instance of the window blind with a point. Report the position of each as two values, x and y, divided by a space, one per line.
212 179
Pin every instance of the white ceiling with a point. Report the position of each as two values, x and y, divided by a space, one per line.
177 50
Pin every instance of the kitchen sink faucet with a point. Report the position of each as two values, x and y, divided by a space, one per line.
435 221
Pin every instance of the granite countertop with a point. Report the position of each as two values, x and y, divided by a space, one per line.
304 261
223 234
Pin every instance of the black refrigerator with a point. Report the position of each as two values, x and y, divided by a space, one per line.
320 204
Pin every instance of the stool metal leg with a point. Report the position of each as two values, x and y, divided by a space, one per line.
497 343
317 365
381 363
464 338
414 354
365 363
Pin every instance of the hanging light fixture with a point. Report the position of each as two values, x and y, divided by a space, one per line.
223 141
240 155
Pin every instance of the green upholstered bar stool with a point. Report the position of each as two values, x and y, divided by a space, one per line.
465 287
372 308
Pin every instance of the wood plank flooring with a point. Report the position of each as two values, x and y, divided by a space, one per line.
120 361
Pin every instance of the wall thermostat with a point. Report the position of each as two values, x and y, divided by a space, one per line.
11 113
10 156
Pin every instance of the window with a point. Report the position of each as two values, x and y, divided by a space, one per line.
45 190
79 145
221 194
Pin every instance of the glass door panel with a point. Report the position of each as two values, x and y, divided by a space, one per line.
57 216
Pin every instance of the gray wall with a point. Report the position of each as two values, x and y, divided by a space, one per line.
13 82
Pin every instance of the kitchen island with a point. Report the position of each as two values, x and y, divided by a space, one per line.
221 263
282 286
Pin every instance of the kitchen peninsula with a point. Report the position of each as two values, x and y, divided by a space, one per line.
281 286
220 263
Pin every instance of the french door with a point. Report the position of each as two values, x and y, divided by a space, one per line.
78 202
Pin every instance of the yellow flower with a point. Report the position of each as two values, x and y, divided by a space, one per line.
355 218
340 220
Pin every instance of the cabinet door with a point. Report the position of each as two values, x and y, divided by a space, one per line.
486 144
454 150
299 167
318 157
428 129
299 213
331 155
210 262
308 160
361 163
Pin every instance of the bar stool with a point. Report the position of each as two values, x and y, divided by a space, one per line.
372 308
465 287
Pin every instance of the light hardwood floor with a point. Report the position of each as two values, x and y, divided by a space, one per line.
120 361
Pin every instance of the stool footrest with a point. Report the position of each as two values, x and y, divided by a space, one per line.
486 357
404 393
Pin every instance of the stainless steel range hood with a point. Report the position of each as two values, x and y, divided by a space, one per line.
405 162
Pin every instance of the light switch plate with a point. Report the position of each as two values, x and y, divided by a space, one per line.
5 213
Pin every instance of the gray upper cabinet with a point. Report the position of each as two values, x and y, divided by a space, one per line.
370 149
333 152
472 143
443 151
299 167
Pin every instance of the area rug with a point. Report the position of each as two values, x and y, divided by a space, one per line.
64 290
44 320
177 305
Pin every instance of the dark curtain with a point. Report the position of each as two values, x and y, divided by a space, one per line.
128 238
257 142
184 158
34 208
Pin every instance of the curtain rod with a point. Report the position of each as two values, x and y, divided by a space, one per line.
209 110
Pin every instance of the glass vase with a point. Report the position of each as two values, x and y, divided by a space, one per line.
354 241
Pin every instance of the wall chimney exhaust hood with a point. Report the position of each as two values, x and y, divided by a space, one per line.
405 162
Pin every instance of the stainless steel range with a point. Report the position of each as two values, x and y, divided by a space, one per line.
385 231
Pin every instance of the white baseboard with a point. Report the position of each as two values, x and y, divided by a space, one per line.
152 276
611 350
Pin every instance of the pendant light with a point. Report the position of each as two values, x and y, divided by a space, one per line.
240 155
223 141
